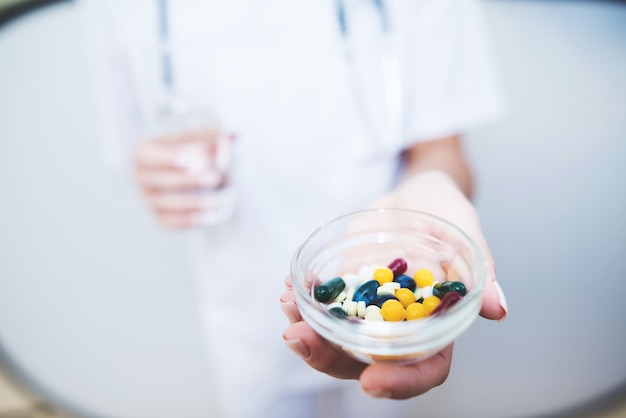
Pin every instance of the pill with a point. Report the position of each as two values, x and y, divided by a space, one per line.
406 281
366 292
360 309
380 300
430 303
350 307
427 291
379 293
424 277
350 293
388 288
447 287
398 267
367 272
447 302
416 311
384 290
392 310
341 296
374 316
383 275
330 289
405 296
334 305
352 280
336 309
418 295
372 308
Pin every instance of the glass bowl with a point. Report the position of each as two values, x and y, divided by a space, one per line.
378 237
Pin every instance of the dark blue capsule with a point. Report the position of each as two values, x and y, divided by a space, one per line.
379 300
406 281
329 290
366 292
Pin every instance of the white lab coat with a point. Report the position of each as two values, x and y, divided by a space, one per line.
304 154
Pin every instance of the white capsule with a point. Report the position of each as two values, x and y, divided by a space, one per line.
385 290
341 296
352 280
427 291
374 316
371 308
367 272
344 305
418 293
350 307
360 309
392 285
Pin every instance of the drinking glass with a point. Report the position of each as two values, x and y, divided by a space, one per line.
177 96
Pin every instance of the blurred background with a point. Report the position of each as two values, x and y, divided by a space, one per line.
97 315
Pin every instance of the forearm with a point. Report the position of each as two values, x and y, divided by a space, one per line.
445 154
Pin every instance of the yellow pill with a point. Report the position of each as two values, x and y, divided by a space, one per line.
430 303
423 277
383 275
416 311
392 310
405 296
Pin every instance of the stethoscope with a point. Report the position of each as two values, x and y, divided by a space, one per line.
391 75
389 64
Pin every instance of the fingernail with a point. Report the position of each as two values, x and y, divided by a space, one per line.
502 299
299 347
378 393
288 309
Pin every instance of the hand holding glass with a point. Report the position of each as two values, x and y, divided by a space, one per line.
185 165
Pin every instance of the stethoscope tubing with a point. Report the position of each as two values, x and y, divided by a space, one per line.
391 75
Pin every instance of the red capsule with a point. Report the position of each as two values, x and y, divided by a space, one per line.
446 303
398 267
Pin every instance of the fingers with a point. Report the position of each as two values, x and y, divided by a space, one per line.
377 380
289 307
403 382
319 353
313 349
186 151
170 168
494 304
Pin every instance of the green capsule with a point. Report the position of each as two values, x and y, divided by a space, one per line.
329 290
337 311
445 287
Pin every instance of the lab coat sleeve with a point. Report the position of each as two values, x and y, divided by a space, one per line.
452 79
